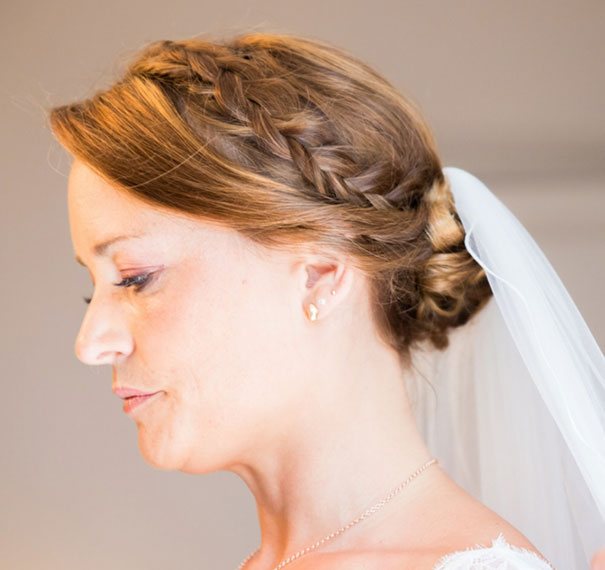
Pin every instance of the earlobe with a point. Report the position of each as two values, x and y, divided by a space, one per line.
313 310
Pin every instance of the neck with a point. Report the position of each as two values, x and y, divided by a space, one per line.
336 458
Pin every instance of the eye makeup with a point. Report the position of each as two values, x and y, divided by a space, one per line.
136 281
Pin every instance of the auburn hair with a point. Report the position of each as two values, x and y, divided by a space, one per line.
290 141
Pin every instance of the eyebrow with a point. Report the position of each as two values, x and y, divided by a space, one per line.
101 247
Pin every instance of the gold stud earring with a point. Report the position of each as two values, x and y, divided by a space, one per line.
313 311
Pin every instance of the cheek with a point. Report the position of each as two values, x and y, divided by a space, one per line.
223 347
190 338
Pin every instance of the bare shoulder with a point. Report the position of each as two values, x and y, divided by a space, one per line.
461 522
447 521
473 530
451 520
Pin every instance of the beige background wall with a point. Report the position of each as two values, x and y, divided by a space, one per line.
515 92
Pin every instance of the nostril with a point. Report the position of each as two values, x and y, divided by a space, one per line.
105 357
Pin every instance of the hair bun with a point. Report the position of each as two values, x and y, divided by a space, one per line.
453 285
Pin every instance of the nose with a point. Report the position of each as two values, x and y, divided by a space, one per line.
104 335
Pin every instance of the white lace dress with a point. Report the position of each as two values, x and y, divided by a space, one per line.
499 556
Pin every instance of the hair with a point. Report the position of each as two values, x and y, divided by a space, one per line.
290 141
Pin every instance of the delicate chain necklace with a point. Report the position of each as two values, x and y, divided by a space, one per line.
365 515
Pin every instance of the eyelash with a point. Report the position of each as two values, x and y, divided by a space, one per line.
134 280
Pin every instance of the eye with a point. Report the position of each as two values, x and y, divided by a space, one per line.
136 281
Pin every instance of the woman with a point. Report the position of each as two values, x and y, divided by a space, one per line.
274 246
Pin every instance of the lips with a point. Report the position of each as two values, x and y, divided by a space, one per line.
124 392
133 398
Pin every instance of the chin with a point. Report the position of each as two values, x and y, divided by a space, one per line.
158 453
169 456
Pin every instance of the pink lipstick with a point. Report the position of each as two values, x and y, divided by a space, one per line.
133 398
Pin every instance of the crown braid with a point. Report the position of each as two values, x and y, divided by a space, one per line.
229 78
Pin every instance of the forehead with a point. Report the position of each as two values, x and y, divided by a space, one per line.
98 210
97 205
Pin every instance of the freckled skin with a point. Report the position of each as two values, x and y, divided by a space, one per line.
313 416
198 331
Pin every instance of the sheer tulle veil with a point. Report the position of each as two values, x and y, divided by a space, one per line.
514 408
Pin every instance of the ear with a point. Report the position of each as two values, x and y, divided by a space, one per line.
327 284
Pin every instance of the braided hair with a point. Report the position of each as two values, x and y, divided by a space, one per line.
290 141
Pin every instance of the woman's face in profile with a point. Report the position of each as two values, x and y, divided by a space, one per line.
202 318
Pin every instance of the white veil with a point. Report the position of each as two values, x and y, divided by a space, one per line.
516 411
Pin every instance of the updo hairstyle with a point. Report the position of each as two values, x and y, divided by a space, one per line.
290 141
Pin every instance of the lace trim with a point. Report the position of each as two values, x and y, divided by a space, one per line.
489 554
